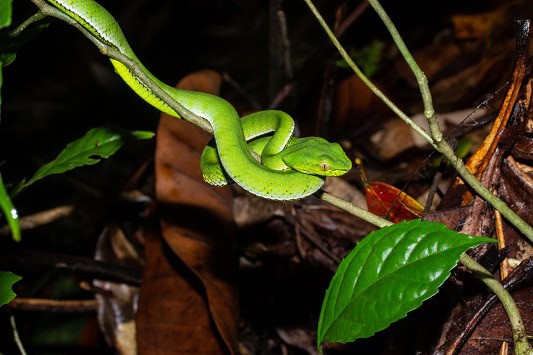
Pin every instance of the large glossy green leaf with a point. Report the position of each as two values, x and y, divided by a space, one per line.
5 13
389 273
96 144
9 211
7 279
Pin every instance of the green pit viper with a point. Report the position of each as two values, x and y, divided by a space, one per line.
289 168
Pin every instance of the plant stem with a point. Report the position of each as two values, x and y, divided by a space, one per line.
441 145
519 333
20 28
16 335
352 209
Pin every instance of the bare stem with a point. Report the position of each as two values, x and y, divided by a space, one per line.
32 19
49 305
352 209
16 335
519 332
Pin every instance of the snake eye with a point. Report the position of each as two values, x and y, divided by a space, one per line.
324 165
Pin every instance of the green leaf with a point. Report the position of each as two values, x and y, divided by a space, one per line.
389 273
5 13
7 279
98 143
7 58
9 211
367 58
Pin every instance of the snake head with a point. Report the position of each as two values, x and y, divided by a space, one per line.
317 156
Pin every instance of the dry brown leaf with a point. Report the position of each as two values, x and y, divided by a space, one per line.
478 162
188 302
118 302
393 138
354 102
476 26
431 59
481 157
494 329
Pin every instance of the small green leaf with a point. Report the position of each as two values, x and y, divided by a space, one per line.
7 58
389 273
5 13
7 279
9 211
367 58
98 143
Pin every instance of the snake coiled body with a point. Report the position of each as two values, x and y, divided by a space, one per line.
229 134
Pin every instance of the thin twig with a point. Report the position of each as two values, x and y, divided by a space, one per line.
521 343
352 209
255 105
41 218
16 335
433 190
48 305
521 276
288 88
31 261
312 237
20 28
350 19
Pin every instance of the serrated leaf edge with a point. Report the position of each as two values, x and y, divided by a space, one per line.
411 225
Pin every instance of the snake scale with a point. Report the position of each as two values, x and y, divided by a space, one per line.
290 168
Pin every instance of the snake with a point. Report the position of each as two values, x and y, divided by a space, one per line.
278 167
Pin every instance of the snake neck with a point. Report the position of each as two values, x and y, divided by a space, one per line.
142 90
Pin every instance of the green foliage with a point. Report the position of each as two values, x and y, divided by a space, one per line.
7 279
5 20
367 58
389 273
58 330
99 143
7 58
5 13
5 202
9 211
462 149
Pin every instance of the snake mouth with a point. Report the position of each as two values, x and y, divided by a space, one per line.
337 172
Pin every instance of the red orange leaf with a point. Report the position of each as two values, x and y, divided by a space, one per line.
388 201
391 203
